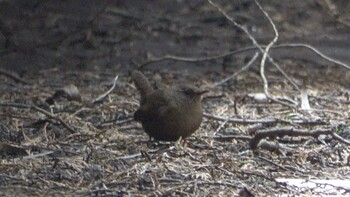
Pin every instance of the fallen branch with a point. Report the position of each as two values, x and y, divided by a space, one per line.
289 131
263 121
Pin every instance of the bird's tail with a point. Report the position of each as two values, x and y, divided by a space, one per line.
141 82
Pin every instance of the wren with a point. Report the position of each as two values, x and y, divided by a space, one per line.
168 113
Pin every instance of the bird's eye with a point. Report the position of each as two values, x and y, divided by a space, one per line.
188 91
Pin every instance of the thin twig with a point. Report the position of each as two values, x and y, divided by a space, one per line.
101 97
230 137
38 155
199 59
238 72
263 59
268 47
265 53
262 121
126 157
313 49
340 139
12 76
38 109
334 13
243 50
116 122
282 167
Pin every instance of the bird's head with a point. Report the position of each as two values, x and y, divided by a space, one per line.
191 91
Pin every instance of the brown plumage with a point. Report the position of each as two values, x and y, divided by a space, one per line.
168 113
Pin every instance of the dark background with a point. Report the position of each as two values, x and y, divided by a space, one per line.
102 35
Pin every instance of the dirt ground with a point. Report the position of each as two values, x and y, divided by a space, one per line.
58 57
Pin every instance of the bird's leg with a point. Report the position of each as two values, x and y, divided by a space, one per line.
180 143
152 142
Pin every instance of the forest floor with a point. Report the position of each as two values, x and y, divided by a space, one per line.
58 58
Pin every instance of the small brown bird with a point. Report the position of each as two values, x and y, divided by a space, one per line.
168 113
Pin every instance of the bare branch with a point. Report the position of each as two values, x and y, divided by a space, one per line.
246 49
199 59
238 72
265 52
313 49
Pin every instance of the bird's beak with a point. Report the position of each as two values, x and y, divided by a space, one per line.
203 91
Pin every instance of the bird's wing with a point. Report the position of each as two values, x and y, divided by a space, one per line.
154 104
